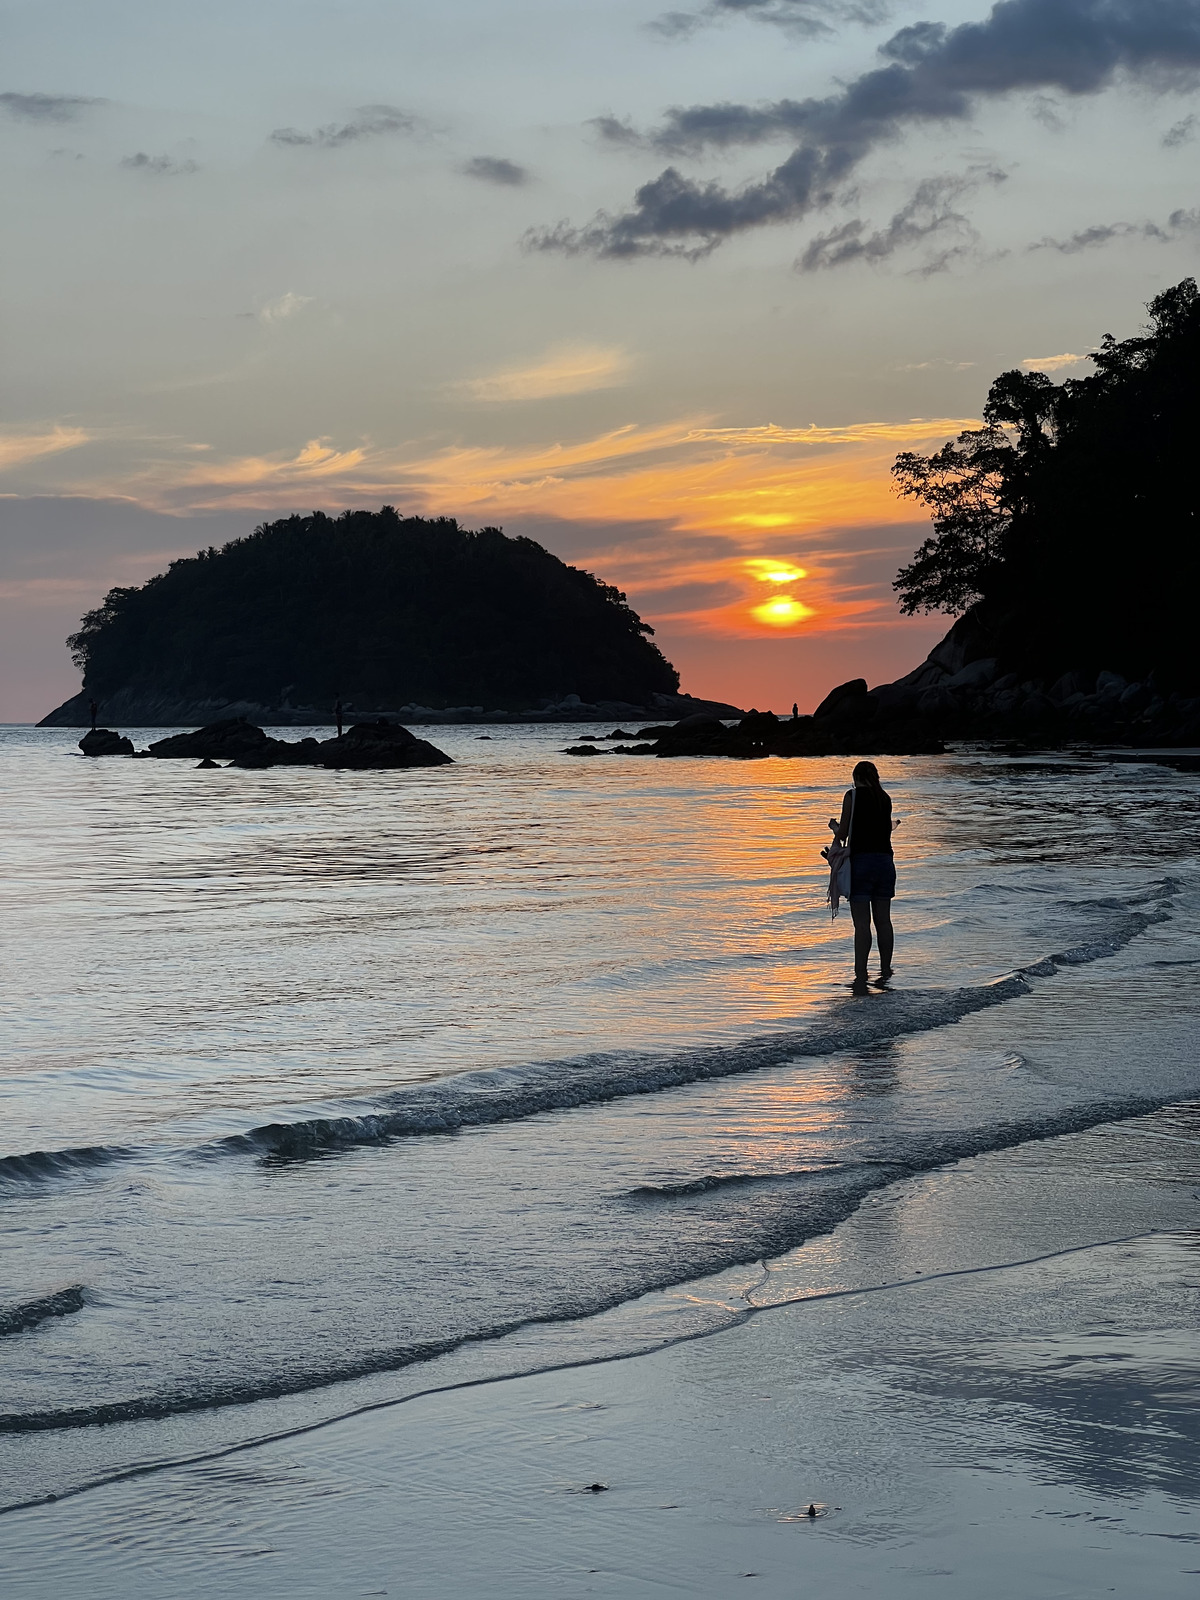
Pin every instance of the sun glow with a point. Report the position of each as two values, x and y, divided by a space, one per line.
782 611
775 571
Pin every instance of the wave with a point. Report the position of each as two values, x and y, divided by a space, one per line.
710 1184
507 1095
36 1166
28 1313
804 1211
510 1094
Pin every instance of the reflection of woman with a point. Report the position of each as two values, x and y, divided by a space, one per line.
866 821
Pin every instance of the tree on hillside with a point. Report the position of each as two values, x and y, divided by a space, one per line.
1073 511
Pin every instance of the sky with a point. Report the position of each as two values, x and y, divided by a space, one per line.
665 289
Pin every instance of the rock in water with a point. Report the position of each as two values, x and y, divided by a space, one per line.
367 746
219 740
376 745
105 742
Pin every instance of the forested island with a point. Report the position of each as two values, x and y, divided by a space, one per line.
376 610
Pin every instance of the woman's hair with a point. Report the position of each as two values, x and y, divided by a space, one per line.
866 772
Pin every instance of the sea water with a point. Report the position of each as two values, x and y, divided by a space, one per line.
319 1088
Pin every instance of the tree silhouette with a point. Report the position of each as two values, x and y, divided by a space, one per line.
378 609
1070 518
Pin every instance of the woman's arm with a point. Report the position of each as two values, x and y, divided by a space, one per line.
841 828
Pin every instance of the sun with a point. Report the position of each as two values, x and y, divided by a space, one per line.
782 611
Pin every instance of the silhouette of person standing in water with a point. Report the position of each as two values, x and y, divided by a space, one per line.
866 823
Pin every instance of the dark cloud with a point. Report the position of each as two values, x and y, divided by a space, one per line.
933 73
929 215
1178 222
1181 133
47 107
677 24
367 123
807 19
495 169
162 165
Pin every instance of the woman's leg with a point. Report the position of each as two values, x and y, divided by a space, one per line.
882 912
860 910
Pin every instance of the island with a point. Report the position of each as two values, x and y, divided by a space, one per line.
416 618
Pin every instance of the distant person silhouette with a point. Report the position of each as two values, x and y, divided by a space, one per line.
866 822
795 712
337 711
94 709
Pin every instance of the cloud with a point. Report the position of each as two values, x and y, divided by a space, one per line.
932 74
162 165
805 19
1180 221
282 310
1051 363
367 123
1181 133
566 369
20 445
929 214
47 107
495 169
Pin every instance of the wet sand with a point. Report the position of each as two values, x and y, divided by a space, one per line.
985 1381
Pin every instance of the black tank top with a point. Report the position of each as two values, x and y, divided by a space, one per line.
872 830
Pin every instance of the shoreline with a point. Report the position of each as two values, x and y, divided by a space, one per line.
921 1320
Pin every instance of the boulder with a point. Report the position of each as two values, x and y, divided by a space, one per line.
848 699
105 742
976 675
377 746
228 739
281 753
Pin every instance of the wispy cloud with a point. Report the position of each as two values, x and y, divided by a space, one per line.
19 446
47 107
496 169
932 74
804 19
161 166
368 122
283 309
1051 363
564 370
1179 222
1180 133
929 215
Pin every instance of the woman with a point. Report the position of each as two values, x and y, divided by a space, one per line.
866 821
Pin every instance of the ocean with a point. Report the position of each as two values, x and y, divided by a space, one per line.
319 1089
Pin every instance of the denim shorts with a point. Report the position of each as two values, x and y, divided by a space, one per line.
872 876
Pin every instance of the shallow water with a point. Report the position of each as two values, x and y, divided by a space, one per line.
310 1081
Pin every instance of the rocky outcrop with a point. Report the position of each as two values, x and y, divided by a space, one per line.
374 746
217 741
105 742
381 744
966 690
836 728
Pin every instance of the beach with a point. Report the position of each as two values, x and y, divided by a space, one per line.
432 1148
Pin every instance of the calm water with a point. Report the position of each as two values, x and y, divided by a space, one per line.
314 1085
